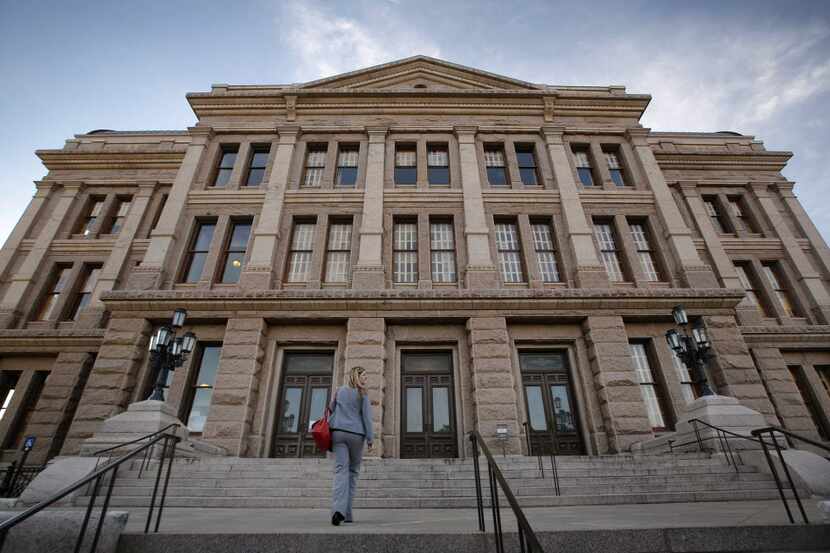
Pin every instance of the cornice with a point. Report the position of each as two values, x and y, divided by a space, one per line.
759 161
83 246
60 159
50 341
225 197
422 197
339 197
777 336
541 196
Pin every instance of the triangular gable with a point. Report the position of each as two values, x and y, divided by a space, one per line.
419 73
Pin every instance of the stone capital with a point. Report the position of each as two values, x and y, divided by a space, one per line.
377 135
637 135
200 135
688 187
466 134
553 133
71 188
288 134
146 187
44 187
760 189
785 189
550 106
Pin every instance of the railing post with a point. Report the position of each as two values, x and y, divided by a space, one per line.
494 505
104 510
155 490
166 478
89 507
777 479
697 435
477 471
789 478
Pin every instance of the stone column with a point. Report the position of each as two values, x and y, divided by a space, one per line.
19 290
693 272
368 273
782 390
806 225
366 347
235 390
810 279
93 315
57 403
111 381
150 274
258 273
494 388
621 403
45 190
589 272
480 270
732 367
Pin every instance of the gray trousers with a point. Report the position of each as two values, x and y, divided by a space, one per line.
348 453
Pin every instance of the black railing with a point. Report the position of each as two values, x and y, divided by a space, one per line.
528 542
554 469
771 430
16 477
148 453
107 475
722 436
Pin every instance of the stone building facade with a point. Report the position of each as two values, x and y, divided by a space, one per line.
499 255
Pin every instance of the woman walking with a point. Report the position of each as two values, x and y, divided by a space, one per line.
351 425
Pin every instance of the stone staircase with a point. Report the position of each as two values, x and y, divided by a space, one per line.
227 482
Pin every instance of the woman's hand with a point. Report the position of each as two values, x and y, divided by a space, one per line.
371 445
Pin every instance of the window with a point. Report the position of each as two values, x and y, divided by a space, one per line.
162 203
405 252
299 258
527 164
201 390
741 220
17 430
824 375
545 251
509 248
8 384
197 255
122 209
235 252
614 167
494 161
442 251
315 165
648 388
95 207
797 374
347 165
583 165
714 215
406 164
85 291
604 233
338 252
50 300
438 164
639 235
750 289
771 271
226 162
259 160
687 387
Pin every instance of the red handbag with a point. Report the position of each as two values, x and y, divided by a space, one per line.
321 432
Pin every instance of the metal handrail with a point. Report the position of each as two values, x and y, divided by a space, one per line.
148 453
96 477
553 468
528 541
771 430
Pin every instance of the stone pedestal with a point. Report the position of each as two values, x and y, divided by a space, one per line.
139 420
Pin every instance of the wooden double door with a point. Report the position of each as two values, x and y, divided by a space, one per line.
428 425
553 425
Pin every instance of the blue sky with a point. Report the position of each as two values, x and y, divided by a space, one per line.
760 68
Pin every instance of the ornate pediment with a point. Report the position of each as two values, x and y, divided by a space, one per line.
419 73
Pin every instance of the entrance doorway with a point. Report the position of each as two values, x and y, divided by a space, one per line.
304 394
428 428
549 400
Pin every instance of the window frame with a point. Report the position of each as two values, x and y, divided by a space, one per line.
192 251
82 297
517 251
116 224
774 273
397 223
193 383
655 383
645 249
490 170
92 214
334 222
548 224
445 147
714 212
293 250
339 168
221 168
528 148
617 249
53 293
229 249
399 171
747 276
312 149
256 149
578 148
433 222
619 171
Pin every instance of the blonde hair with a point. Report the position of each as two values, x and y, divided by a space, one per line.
354 379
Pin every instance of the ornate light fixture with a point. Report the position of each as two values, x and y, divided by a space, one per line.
167 351
693 349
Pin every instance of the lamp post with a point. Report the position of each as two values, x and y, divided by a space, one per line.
168 351
692 348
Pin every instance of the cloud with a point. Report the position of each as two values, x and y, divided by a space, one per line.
327 44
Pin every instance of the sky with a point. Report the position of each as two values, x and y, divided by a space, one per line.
759 68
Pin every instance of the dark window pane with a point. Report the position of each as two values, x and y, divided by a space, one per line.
406 175
562 409
427 362
439 175
205 237
259 159
239 239
346 176
585 176
199 410
441 409
496 176
290 418
535 408
197 264
308 363
414 410
528 175
228 159
541 361
526 158
209 365
222 177
617 177
233 267
255 177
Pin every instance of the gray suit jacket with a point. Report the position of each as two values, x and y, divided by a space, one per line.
351 414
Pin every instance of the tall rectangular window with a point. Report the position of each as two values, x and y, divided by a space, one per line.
613 160
315 165
8 384
347 157
609 254
302 246
405 251
526 157
583 165
494 162
442 251
162 203
750 288
225 168
743 221
438 164
259 161
639 234
85 291
406 164
121 211
711 206
797 374
648 387
687 387
234 254
338 252
198 252
201 388
510 252
50 300
94 212
14 437
771 272
545 251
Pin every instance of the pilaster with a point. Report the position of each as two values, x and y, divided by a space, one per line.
45 189
368 273
806 225
366 347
